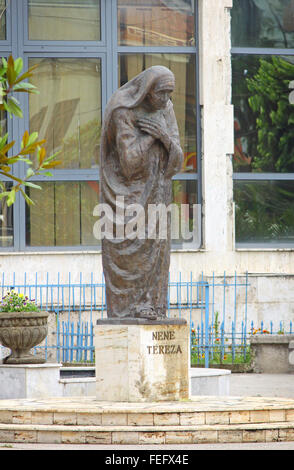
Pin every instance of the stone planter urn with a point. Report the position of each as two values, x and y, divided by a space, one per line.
20 332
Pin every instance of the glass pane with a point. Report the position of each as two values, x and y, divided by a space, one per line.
185 221
67 112
263 23
64 20
69 214
183 98
3 122
6 220
2 20
156 23
264 211
264 116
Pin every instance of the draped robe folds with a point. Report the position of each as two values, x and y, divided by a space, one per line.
139 169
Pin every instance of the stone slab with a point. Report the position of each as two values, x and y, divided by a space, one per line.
209 382
271 353
81 387
240 406
202 382
271 339
30 381
141 362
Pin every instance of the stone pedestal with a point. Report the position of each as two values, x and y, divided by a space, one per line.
142 361
30 381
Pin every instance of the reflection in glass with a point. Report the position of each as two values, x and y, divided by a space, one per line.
64 20
2 20
264 211
3 122
264 117
62 214
263 23
185 194
183 98
156 23
67 112
6 219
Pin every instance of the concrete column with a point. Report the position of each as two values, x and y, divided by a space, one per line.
217 124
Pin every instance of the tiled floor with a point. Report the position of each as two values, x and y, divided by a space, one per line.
266 385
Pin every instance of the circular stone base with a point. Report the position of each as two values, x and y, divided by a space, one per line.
85 420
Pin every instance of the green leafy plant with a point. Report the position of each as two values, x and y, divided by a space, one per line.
216 325
266 116
269 100
15 302
264 211
12 81
242 355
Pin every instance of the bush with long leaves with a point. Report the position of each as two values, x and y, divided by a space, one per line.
13 81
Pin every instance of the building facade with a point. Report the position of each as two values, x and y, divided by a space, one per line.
238 165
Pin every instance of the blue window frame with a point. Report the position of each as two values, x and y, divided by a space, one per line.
262 70
76 69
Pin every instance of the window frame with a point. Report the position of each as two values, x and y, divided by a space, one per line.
251 177
40 44
108 51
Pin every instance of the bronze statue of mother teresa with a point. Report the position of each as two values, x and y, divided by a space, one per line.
140 153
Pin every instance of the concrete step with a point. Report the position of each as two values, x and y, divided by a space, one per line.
61 434
199 420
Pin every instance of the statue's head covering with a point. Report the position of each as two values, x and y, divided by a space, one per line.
134 92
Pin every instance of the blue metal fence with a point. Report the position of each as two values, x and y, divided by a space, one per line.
75 342
216 309
78 302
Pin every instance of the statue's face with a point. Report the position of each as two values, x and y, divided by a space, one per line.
159 96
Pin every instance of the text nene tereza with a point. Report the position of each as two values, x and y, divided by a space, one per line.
164 348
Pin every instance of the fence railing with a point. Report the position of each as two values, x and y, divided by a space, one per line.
75 342
230 346
215 307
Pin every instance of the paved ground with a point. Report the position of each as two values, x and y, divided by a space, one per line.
109 450
263 385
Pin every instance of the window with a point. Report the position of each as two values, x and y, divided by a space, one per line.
67 112
68 206
156 23
3 20
85 49
6 221
263 72
152 32
65 20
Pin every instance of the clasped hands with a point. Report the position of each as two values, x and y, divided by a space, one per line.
155 129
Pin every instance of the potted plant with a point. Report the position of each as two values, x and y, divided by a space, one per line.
22 326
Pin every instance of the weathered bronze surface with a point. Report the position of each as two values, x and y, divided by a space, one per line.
140 152
141 321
